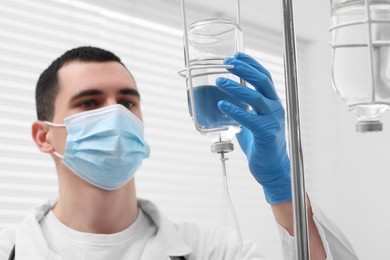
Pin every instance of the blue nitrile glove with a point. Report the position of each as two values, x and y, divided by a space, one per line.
262 138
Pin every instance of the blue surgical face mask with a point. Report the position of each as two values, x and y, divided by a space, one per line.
104 146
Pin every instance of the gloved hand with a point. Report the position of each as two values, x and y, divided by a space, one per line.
262 138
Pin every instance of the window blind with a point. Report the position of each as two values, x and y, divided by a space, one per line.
182 175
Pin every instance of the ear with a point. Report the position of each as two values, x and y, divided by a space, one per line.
39 131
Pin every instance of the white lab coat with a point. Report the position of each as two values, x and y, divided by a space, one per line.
185 239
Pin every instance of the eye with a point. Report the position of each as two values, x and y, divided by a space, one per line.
88 103
127 104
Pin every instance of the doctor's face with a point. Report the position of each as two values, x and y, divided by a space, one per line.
86 86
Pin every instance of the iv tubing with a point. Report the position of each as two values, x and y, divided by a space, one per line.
231 207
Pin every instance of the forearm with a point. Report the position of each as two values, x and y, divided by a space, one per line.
283 213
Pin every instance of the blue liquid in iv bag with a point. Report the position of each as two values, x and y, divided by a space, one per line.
208 114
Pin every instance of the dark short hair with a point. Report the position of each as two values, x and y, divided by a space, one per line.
47 86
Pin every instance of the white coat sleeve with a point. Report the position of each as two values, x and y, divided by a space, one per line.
7 238
336 244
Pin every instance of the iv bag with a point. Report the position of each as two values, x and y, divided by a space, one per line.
360 58
210 41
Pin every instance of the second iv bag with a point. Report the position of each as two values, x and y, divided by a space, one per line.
361 58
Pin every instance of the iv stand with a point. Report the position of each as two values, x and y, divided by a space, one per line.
295 147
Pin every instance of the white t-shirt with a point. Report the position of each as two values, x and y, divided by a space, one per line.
70 244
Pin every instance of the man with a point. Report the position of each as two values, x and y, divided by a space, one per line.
90 122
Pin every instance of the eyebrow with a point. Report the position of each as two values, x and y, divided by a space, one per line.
130 91
96 92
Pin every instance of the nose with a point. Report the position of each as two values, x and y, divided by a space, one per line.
110 101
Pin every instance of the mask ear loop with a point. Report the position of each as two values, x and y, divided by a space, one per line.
55 125
58 155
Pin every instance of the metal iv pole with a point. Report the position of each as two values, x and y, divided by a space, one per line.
294 133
